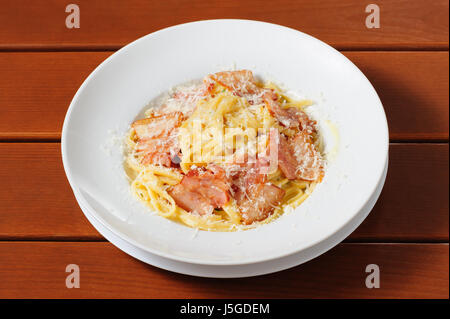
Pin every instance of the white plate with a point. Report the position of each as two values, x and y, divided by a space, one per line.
121 86
232 271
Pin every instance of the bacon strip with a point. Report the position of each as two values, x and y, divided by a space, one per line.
210 185
287 162
245 175
259 202
310 165
201 191
298 158
157 126
290 117
159 151
191 201
255 198
157 138
239 82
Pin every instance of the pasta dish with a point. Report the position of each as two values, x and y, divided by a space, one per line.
228 153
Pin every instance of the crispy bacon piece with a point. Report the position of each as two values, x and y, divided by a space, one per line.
191 94
287 161
191 201
259 202
202 190
210 185
157 138
247 169
310 165
183 100
157 126
289 117
159 151
244 176
239 82
298 158
255 198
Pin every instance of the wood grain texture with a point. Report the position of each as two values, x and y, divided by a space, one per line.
413 87
413 205
36 201
406 271
112 24
36 90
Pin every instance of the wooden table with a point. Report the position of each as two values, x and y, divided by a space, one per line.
42 229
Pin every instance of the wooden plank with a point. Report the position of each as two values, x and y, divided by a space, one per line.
413 205
36 201
406 271
36 90
413 87
403 23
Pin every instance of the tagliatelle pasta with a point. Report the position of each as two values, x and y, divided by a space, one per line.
225 154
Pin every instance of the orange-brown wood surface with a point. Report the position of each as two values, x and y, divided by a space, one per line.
111 24
36 201
37 89
42 229
406 271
